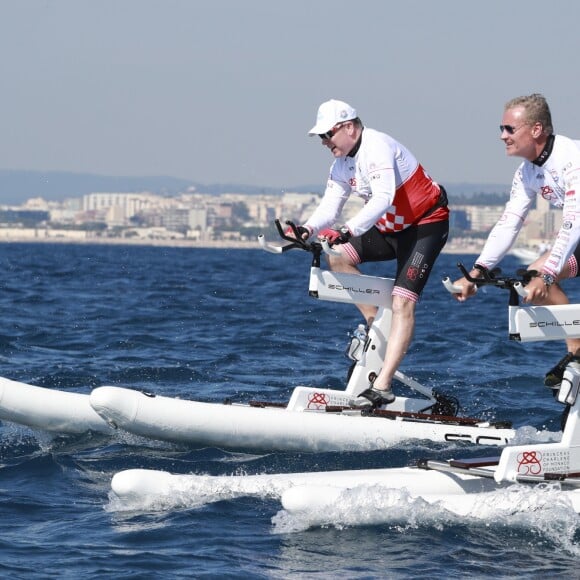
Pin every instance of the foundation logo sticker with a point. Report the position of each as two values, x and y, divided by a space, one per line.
317 401
529 463
551 461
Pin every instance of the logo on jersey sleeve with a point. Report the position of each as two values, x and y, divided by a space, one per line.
547 193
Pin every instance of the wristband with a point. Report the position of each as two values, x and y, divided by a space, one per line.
345 234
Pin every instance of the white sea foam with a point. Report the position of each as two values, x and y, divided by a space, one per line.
543 509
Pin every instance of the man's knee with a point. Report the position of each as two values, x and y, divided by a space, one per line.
338 262
403 304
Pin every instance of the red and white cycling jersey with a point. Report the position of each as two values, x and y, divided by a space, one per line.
395 187
556 180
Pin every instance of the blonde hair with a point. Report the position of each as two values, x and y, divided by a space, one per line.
536 110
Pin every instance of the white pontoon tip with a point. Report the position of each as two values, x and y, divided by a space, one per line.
139 483
115 404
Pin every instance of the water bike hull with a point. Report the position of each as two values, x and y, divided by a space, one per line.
136 484
236 426
315 493
48 409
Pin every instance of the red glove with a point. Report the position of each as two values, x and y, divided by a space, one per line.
336 236
303 232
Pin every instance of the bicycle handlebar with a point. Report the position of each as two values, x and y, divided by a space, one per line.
450 287
296 242
328 249
269 247
492 278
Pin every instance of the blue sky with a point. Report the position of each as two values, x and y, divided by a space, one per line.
224 91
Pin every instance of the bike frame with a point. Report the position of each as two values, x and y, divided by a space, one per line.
356 289
534 323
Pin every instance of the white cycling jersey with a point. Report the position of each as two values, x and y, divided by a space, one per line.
555 175
396 189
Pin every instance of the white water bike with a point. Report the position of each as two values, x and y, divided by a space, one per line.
463 486
315 418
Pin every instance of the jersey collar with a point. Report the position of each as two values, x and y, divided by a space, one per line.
546 152
356 147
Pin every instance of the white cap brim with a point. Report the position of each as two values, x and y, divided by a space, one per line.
320 128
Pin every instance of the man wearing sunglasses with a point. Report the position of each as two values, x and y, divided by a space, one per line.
405 218
551 169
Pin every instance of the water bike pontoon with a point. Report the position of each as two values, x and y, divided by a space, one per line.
315 418
459 485
50 410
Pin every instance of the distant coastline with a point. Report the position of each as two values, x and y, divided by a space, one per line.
458 246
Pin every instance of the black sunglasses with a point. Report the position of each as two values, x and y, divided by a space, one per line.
331 133
510 129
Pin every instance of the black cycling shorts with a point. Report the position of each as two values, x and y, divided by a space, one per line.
415 248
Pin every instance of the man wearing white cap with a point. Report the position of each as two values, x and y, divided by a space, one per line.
405 217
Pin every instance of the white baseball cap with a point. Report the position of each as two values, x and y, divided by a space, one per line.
330 113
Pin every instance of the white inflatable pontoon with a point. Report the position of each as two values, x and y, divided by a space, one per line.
48 409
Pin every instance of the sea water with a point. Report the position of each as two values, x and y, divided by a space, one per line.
210 324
